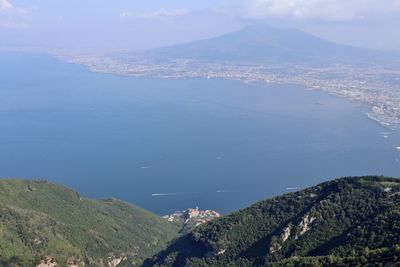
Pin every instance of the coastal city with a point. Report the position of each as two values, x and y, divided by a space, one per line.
377 86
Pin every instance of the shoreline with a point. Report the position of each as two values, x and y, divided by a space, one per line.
186 75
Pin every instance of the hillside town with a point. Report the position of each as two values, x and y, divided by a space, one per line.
191 218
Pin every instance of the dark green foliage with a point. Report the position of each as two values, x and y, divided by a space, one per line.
349 221
378 257
39 219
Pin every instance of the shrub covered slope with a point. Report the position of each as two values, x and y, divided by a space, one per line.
346 221
39 219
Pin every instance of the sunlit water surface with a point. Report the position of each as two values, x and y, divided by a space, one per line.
168 145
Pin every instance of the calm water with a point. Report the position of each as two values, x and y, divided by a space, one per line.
218 145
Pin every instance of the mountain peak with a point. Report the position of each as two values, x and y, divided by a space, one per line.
267 28
262 43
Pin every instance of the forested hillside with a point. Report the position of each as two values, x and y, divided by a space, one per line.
341 222
40 220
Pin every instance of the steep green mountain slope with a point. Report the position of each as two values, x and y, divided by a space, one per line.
39 219
342 222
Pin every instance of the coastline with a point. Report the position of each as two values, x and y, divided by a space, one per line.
124 70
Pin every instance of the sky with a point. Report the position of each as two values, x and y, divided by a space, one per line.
132 24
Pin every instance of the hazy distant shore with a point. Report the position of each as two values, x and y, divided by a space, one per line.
383 103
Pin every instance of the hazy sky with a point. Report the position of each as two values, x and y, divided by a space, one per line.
132 24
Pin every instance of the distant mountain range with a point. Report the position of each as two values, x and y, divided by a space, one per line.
345 222
262 44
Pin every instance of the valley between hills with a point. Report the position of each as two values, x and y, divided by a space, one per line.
345 222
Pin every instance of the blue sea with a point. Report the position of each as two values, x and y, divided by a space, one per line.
168 145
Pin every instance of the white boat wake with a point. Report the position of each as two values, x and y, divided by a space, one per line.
164 194
224 191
